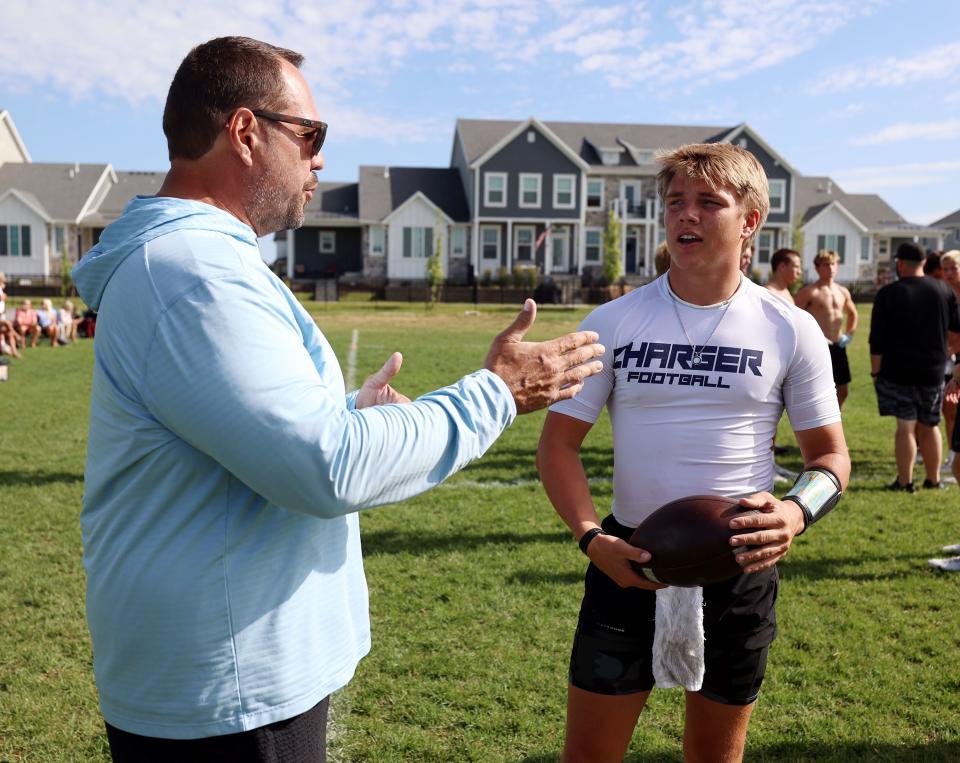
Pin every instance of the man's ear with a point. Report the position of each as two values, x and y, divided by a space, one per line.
242 135
750 222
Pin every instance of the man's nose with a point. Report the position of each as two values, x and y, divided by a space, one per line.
316 164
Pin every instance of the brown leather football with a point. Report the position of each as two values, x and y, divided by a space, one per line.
689 541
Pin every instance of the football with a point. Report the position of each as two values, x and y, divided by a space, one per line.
689 541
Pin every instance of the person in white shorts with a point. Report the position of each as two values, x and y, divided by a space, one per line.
699 366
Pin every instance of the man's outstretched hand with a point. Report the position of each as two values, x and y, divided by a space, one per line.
541 373
376 389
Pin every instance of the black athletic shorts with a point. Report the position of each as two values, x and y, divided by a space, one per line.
613 646
301 739
910 402
841 366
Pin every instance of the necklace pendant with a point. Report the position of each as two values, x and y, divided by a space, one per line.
696 360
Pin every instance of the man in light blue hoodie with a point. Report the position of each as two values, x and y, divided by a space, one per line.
225 589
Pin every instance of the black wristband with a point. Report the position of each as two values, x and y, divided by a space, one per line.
588 536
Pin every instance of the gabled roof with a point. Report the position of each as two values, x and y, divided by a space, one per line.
332 201
28 200
815 193
815 212
743 127
63 189
419 196
6 119
480 135
542 128
128 185
952 219
383 189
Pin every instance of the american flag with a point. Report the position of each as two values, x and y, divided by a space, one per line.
542 237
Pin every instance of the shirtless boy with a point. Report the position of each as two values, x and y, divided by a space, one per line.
785 270
828 302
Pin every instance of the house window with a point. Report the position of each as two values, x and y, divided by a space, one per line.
834 243
59 240
764 246
495 189
864 249
378 241
778 195
530 191
883 248
417 242
593 244
458 242
610 156
490 243
328 242
14 240
633 204
523 243
645 156
594 194
563 186
531 136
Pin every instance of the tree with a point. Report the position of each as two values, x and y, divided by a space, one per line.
612 267
66 280
435 267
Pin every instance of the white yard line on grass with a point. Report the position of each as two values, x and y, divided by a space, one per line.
351 382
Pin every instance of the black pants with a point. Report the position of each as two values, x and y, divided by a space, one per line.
301 739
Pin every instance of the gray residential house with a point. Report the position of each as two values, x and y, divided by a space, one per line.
950 224
521 194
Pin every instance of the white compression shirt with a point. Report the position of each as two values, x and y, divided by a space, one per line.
681 429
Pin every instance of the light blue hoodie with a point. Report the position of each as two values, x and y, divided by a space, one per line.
225 585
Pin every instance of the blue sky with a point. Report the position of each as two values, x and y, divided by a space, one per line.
867 92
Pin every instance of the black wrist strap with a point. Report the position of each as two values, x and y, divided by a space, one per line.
588 536
816 492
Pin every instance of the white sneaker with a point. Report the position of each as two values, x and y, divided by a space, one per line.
953 548
947 565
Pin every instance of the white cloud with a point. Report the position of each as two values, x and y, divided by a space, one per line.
939 63
940 129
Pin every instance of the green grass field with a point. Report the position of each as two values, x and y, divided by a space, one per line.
475 587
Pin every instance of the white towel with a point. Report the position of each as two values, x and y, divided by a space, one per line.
678 638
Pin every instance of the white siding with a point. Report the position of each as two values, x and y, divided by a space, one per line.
9 150
416 214
831 223
15 212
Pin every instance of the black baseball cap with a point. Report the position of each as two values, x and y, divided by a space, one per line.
911 252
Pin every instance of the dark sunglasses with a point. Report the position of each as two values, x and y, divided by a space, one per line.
319 128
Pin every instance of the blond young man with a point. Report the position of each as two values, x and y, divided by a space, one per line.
697 370
785 269
829 303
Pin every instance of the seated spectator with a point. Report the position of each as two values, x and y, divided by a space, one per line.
88 324
9 338
47 318
68 322
26 322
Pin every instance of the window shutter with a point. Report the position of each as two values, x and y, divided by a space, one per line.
821 243
428 242
25 241
407 243
3 240
841 248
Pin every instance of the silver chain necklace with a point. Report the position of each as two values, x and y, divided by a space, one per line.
697 359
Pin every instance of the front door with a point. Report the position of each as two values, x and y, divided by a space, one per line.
631 251
560 256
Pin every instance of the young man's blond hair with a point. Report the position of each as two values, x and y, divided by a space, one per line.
825 255
719 165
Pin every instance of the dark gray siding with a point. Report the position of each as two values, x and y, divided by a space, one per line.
347 256
540 157
459 162
774 171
